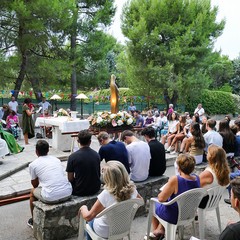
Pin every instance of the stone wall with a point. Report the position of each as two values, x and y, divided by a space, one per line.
60 221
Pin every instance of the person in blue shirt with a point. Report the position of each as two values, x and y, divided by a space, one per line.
139 119
112 150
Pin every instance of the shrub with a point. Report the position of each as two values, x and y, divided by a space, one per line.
214 102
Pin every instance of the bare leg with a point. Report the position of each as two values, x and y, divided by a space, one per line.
32 199
158 228
182 147
169 139
163 139
26 138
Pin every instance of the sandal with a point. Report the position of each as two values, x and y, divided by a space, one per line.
152 236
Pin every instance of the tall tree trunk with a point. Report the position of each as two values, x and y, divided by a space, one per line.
36 88
21 75
23 52
73 102
172 100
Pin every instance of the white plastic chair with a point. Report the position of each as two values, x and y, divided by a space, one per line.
120 216
215 195
187 205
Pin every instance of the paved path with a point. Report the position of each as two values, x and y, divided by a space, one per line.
15 180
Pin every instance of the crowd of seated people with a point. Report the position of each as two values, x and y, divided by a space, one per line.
187 133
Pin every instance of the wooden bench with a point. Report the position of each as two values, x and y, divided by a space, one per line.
60 221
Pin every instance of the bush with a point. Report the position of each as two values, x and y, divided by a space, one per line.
215 102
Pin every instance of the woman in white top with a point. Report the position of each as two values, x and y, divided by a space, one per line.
217 173
172 128
117 188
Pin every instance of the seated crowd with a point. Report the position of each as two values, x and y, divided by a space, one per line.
134 160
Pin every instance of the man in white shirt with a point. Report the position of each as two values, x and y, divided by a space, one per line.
13 104
45 105
200 111
50 184
138 156
212 136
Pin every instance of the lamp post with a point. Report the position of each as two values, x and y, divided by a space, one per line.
81 96
55 97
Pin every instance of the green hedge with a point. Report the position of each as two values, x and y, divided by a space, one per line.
215 102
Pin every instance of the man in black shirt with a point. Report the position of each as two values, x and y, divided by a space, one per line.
83 167
232 231
158 156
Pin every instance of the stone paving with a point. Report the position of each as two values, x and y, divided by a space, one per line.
15 180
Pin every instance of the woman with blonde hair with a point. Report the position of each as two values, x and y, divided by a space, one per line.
217 173
174 187
117 188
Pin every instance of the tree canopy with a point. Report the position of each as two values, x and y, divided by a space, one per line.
169 43
45 44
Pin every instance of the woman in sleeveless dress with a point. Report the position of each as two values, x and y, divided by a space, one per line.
174 187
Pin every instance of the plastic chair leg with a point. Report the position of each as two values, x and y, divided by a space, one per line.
218 218
170 232
150 216
81 228
201 219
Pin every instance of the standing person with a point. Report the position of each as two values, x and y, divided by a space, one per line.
174 187
170 109
232 231
117 188
50 185
83 167
13 104
158 156
27 121
138 156
200 111
132 107
112 150
45 105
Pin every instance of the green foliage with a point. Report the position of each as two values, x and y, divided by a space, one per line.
169 41
226 88
235 81
236 99
220 71
214 102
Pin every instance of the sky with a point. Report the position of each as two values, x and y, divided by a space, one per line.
228 42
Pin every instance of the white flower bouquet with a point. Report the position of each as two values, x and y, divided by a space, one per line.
111 120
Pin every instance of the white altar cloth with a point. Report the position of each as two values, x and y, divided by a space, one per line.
65 125
62 128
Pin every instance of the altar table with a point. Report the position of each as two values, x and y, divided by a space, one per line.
63 127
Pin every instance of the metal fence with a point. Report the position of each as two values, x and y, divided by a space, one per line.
91 107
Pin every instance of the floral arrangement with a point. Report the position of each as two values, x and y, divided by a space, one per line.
62 112
105 119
